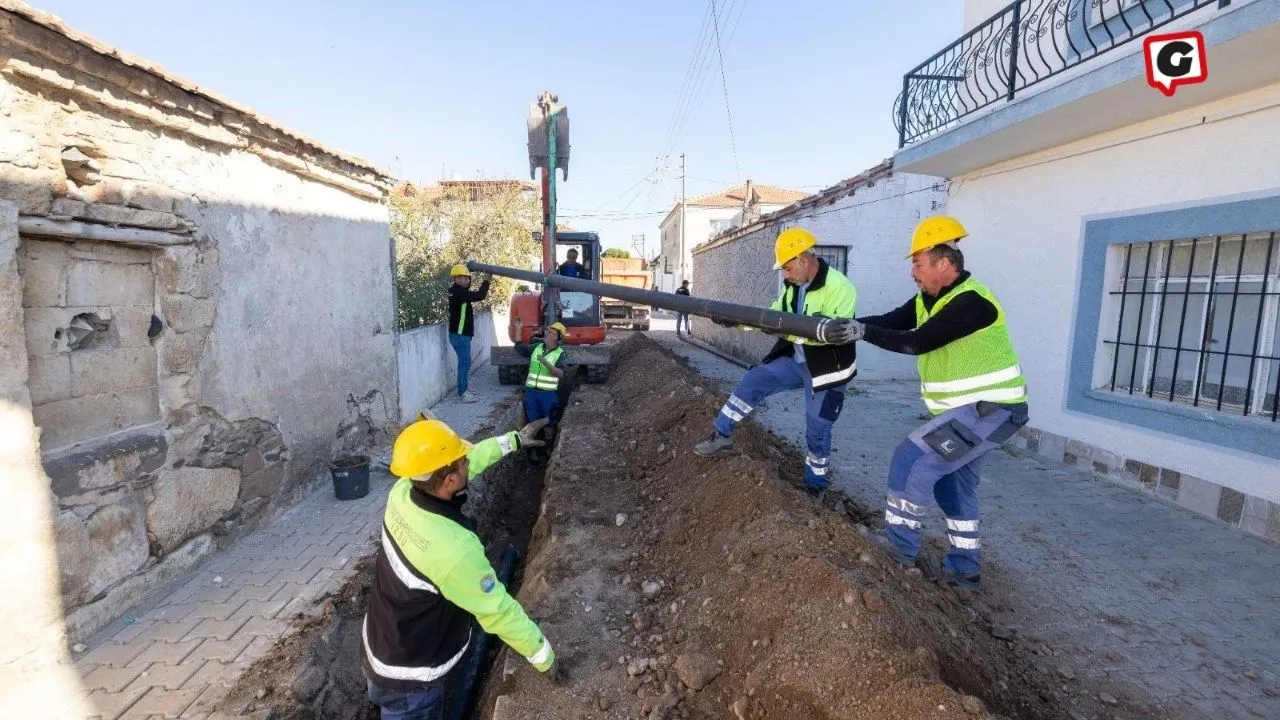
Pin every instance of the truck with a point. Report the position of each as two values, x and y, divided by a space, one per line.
628 272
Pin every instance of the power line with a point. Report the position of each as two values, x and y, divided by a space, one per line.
724 88
705 79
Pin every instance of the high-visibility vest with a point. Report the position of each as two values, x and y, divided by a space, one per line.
540 378
980 366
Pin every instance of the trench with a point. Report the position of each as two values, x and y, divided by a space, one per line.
800 617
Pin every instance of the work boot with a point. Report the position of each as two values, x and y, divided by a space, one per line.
469 397
934 569
714 444
815 492
886 546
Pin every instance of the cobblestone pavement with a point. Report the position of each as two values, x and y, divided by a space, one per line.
1123 589
178 657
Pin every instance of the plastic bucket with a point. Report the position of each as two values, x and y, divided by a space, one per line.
350 477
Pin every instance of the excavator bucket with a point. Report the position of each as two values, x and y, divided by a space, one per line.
548 109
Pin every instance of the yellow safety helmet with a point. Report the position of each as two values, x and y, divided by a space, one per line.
936 230
459 269
560 329
790 243
424 447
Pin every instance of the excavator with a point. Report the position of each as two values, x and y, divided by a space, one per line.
574 299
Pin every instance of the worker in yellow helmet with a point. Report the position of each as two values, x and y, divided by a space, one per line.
970 381
431 575
547 367
822 369
462 323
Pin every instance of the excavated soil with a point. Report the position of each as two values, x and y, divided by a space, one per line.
675 586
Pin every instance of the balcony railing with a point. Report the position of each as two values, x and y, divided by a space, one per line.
1026 43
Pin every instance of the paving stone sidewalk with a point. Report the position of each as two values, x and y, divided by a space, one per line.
1127 591
178 657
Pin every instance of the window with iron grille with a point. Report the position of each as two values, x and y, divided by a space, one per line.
1196 322
837 256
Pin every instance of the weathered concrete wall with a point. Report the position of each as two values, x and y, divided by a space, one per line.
209 309
875 222
428 369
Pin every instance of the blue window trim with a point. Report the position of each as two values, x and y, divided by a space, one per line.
1236 215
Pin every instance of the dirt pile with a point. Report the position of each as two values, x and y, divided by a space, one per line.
683 587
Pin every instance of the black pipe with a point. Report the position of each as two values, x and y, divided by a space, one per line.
772 321
473 664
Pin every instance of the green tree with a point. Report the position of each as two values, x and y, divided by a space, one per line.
433 230
616 253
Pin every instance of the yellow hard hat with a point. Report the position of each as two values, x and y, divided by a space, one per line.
790 243
459 269
936 230
559 328
424 447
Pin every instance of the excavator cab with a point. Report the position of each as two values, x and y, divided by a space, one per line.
578 255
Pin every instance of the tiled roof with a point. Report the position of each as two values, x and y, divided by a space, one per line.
733 197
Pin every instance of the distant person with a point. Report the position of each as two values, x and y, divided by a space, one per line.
547 365
571 267
462 325
683 317
431 577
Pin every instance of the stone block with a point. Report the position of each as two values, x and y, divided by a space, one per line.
1256 514
49 378
30 193
46 327
1273 523
1148 475
133 217
84 621
181 351
1199 495
1052 446
68 207
148 198
131 323
101 283
100 370
43 265
188 270
1080 450
64 422
1107 459
187 501
100 550
116 461
176 391
264 483
110 252
185 313
1230 506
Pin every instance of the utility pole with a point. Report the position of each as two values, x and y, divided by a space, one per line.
683 276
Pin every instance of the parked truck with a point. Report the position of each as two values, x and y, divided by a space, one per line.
628 272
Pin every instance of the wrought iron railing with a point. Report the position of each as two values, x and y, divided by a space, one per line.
1026 43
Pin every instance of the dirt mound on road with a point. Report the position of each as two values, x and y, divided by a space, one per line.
680 586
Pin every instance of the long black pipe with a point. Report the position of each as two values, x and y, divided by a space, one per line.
779 323
473 664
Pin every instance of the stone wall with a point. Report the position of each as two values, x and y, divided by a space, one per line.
873 215
205 301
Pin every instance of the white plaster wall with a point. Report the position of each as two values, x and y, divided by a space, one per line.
428 368
1025 223
875 224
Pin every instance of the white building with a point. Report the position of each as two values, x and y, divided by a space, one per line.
863 226
1131 236
708 216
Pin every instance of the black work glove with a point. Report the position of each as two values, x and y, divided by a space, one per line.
841 332
529 433
557 673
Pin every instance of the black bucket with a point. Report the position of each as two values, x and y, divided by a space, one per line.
350 477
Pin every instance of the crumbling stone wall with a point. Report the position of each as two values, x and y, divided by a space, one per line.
206 304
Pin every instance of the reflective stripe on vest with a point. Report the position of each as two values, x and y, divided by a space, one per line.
980 366
462 317
539 377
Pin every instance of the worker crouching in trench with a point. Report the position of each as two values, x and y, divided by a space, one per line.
547 365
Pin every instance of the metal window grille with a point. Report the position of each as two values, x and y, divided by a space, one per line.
1198 322
837 256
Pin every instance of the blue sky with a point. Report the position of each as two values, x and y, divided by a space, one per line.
424 88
